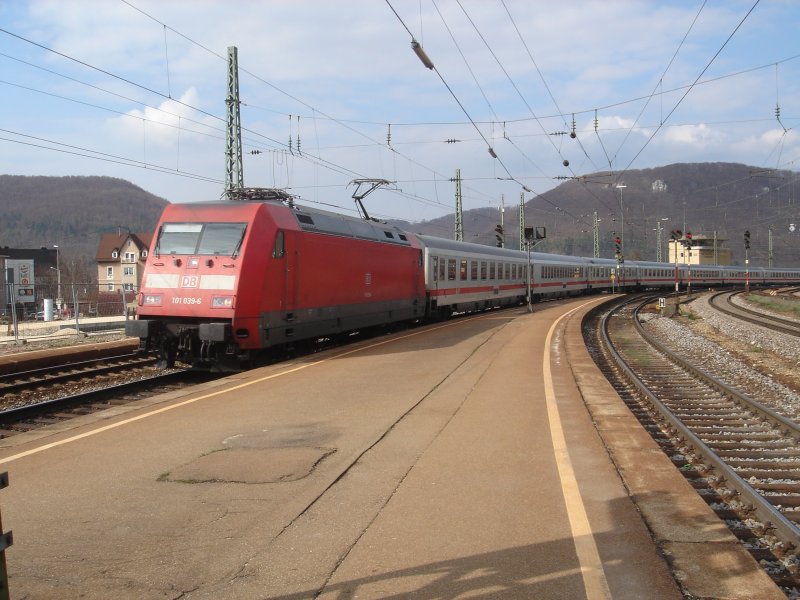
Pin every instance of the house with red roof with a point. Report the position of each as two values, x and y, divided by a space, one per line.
120 261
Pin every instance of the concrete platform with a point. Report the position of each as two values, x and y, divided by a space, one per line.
456 460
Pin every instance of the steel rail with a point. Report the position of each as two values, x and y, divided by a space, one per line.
29 411
71 371
765 511
756 317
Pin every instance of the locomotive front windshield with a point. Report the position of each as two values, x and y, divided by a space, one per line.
201 238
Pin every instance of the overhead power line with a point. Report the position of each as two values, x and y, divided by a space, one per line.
689 89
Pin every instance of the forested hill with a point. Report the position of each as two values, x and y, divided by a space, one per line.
72 212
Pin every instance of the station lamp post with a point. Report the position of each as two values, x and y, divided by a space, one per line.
59 300
528 235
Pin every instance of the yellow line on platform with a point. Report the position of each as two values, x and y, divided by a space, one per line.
594 577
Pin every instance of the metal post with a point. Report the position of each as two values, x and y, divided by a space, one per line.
530 276
769 254
459 224
677 279
60 298
716 253
596 233
689 272
502 220
747 270
620 187
658 241
12 301
75 308
6 540
234 174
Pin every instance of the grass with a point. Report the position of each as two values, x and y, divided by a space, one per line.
776 303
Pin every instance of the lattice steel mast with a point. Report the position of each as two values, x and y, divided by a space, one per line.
596 236
459 227
234 175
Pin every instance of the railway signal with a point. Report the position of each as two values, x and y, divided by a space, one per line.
687 239
617 246
746 260
535 235
499 235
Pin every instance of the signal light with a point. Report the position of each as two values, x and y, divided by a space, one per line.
529 234
499 235
747 239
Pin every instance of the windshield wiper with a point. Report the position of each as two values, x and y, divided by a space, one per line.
238 245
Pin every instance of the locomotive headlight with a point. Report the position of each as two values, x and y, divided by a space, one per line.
152 300
222 302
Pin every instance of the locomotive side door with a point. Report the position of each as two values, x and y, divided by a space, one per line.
291 263
279 299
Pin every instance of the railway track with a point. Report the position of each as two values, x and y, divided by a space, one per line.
48 411
56 375
723 302
743 458
37 397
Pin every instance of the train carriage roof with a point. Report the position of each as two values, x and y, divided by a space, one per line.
322 221
456 248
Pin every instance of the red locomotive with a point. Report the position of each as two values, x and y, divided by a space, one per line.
225 279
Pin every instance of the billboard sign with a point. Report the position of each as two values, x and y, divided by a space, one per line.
20 274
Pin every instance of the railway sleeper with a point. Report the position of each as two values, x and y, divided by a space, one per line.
750 452
783 500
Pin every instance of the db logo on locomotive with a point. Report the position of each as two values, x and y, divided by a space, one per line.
190 281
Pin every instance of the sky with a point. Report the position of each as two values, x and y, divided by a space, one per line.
332 92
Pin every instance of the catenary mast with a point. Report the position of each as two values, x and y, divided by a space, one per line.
234 175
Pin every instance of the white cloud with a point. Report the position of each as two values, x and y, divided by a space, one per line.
165 124
690 135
